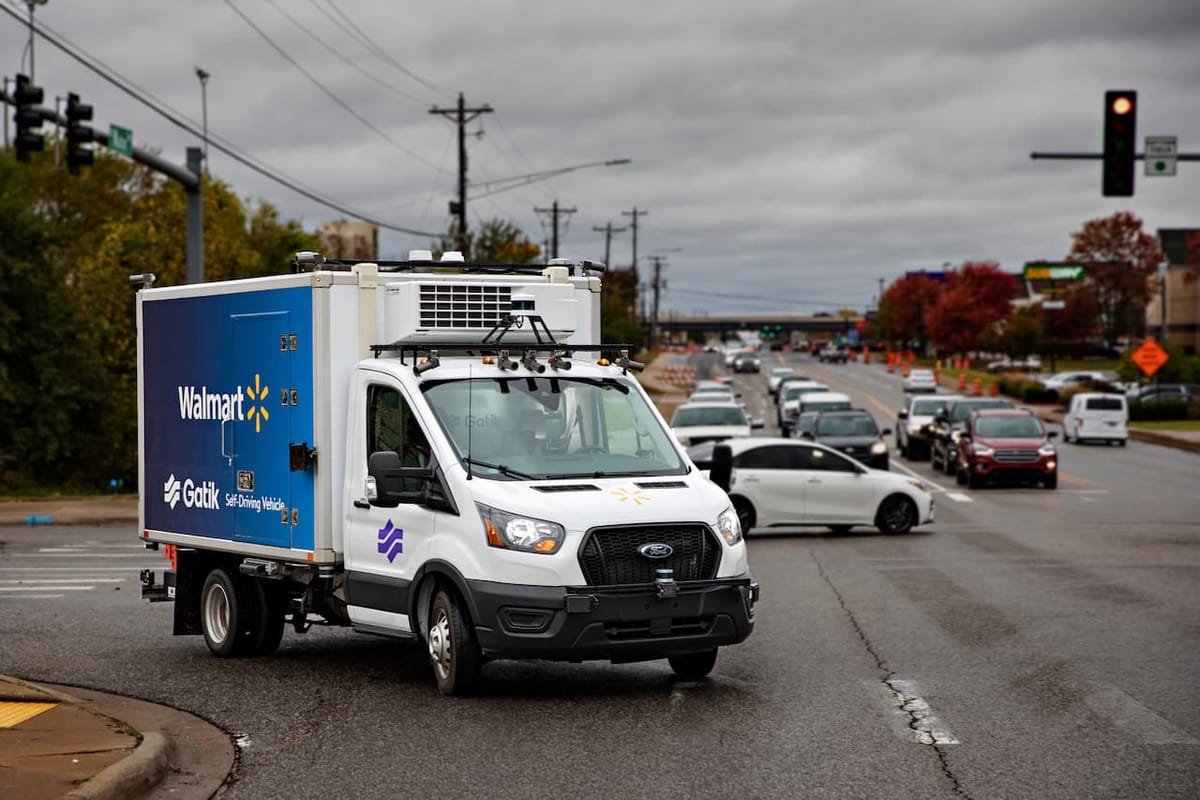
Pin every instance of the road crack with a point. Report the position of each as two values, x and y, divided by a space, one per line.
921 720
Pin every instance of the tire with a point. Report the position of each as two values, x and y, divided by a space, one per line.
1066 437
1120 442
902 449
227 614
947 467
839 529
745 512
933 460
897 514
453 650
974 481
1051 482
268 624
693 666
960 477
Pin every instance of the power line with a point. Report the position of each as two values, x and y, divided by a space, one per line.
327 91
180 121
370 44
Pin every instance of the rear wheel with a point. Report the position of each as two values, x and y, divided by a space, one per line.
897 514
227 614
693 665
452 646
268 617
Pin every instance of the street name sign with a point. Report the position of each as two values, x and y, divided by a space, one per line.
1054 305
120 140
1053 272
1149 356
1161 155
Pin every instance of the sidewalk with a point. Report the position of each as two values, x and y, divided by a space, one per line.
59 741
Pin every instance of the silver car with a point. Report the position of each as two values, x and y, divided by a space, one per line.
912 441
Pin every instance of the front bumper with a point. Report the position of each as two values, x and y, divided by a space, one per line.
1028 470
637 622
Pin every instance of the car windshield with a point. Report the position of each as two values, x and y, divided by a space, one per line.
779 372
792 392
827 405
689 416
846 425
926 408
804 423
552 427
963 410
1008 428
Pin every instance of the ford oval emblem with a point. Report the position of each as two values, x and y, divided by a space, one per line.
656 550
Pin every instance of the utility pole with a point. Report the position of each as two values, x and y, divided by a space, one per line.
635 214
608 230
656 286
461 115
554 211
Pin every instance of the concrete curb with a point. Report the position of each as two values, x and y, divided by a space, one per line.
132 775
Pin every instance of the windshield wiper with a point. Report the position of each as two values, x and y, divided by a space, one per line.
502 469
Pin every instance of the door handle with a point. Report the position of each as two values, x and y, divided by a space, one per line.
751 479
814 480
360 503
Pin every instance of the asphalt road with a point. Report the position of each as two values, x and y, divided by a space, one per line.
1030 643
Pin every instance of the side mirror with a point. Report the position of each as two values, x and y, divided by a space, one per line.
721 471
808 435
1051 434
396 484
885 432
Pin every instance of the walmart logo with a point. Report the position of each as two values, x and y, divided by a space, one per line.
259 412
201 403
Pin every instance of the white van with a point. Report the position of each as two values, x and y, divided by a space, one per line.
1096 416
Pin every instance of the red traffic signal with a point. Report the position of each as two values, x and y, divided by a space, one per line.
1120 135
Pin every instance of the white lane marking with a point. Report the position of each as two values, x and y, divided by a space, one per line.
46 588
65 580
927 727
36 597
1132 717
80 555
76 548
937 487
959 497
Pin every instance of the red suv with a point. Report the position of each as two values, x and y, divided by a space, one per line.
1006 443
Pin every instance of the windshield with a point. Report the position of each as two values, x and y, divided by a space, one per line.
846 426
827 405
552 427
708 415
792 392
1008 428
963 410
926 408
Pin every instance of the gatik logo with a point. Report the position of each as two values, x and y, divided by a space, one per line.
203 495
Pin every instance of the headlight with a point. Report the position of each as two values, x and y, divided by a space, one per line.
922 485
878 449
526 534
1046 450
981 450
729 526
915 430
955 435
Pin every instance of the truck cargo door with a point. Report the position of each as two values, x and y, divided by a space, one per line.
256 445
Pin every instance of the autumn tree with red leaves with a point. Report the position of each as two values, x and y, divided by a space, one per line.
1120 260
903 308
978 295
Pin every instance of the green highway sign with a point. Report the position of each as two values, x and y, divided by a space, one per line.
1053 272
120 140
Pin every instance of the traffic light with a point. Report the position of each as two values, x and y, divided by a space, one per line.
1120 132
79 136
28 118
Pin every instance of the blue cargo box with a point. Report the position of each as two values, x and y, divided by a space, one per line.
226 388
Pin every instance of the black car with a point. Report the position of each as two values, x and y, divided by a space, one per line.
948 426
854 433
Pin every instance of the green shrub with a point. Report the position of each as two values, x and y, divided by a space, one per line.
1033 392
1159 411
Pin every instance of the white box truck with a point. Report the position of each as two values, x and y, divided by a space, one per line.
436 451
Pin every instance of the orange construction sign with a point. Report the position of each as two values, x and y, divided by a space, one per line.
1149 356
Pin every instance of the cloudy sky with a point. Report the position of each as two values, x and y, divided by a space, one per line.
790 155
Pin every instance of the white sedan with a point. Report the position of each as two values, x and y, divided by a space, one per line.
786 482
920 380
693 423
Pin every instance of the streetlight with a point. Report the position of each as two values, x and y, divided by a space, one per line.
203 76
31 4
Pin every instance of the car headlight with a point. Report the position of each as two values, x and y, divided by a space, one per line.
1046 450
922 485
729 526
955 435
513 532
915 430
981 450
878 449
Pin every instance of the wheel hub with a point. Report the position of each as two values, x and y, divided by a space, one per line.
439 644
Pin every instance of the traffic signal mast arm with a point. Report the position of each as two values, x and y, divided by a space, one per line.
1100 156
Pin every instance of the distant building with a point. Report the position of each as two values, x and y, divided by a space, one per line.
350 240
1179 295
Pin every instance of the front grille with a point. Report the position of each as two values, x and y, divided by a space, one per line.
464 306
609 556
1016 456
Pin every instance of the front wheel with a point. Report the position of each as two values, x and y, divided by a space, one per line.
745 513
452 646
1051 482
897 514
693 665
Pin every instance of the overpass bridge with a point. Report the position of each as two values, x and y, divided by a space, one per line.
679 328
